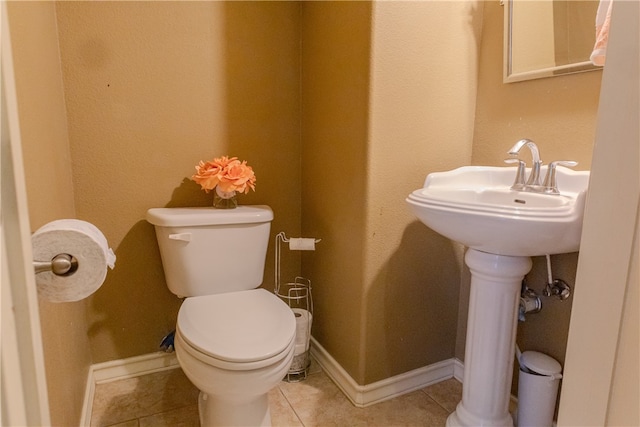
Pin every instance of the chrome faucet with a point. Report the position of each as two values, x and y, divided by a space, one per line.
534 176
533 184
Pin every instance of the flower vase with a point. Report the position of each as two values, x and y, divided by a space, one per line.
224 199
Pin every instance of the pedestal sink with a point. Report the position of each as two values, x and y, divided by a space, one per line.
503 228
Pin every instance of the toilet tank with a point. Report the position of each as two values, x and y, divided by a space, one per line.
210 251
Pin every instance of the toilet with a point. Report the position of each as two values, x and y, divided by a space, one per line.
233 341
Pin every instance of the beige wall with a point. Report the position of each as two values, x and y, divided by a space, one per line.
378 116
151 89
559 114
45 145
423 96
336 39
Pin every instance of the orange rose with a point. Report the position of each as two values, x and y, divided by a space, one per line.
228 173
207 175
237 176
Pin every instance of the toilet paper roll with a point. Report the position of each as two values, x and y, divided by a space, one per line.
303 330
299 349
83 241
302 244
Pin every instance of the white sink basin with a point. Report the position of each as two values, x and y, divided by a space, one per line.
475 206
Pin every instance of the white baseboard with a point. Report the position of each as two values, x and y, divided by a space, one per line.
122 369
458 370
133 366
388 388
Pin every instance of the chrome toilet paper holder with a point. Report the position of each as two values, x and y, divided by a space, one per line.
60 265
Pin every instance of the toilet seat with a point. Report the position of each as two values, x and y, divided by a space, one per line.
237 330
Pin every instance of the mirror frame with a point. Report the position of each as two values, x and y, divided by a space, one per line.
510 77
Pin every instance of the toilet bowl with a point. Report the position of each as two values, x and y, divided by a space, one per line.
234 348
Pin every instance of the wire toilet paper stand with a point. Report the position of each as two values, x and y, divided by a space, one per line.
297 295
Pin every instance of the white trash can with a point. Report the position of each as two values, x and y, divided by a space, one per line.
538 382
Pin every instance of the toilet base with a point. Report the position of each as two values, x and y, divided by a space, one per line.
217 412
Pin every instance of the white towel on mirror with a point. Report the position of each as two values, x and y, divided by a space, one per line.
603 21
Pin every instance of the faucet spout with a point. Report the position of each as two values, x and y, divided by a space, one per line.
535 153
534 176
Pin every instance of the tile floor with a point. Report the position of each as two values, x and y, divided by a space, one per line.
167 398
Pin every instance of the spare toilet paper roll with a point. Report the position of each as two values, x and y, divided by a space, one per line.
302 244
83 241
303 330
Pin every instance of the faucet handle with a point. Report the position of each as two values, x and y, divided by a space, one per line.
550 184
567 163
518 183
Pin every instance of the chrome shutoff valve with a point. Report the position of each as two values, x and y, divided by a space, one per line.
558 288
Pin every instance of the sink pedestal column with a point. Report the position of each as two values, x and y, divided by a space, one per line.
491 335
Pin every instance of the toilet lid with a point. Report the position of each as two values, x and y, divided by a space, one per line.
243 326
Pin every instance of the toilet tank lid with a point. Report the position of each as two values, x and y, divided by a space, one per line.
200 216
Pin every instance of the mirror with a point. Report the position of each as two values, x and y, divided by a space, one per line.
546 38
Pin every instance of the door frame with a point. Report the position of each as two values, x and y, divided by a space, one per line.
23 381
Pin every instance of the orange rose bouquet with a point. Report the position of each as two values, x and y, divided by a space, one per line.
227 176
